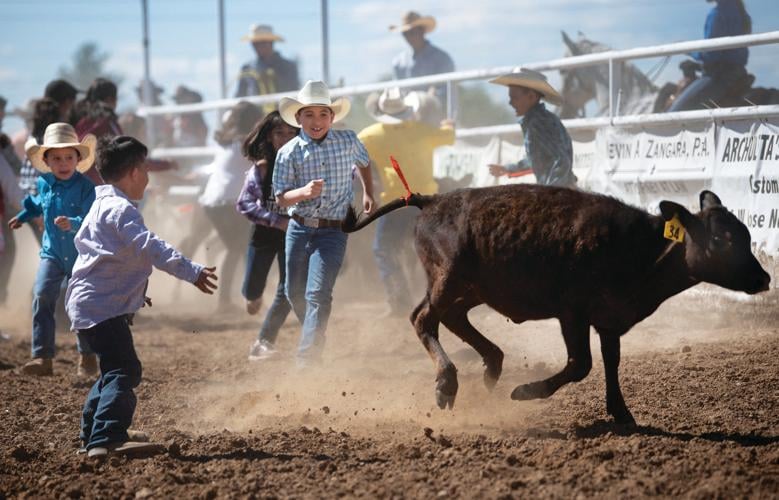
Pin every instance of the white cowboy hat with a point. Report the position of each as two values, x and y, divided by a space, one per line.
411 20
530 79
394 107
261 33
61 135
313 93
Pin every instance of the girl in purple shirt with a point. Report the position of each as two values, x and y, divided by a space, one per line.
257 203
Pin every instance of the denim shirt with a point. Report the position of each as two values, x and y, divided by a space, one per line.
548 148
725 19
71 198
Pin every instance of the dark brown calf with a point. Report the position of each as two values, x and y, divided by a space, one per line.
535 252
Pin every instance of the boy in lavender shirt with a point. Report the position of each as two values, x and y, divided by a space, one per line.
116 253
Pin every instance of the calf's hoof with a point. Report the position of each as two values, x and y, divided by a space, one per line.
446 388
622 417
525 392
492 371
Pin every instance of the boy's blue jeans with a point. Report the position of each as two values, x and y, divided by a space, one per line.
267 245
314 257
46 291
394 232
108 410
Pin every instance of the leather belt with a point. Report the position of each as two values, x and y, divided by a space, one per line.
316 223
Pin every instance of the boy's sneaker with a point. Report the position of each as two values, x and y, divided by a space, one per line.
253 306
261 350
38 367
128 448
87 366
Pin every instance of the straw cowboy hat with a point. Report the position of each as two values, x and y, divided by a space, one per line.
411 20
394 107
261 33
313 93
530 79
61 135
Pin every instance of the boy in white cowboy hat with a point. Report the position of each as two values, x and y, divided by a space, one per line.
404 133
548 148
116 256
269 73
313 177
424 58
64 198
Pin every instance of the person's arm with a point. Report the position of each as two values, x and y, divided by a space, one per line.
363 162
86 203
284 182
250 205
12 193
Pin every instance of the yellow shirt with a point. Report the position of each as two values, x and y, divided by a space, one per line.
412 144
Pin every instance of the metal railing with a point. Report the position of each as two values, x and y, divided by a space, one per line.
609 57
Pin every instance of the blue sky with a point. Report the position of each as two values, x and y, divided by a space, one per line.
39 36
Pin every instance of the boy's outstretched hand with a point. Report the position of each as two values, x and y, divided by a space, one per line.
204 281
14 223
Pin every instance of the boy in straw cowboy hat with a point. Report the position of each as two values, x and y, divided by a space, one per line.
116 256
548 148
404 133
269 73
64 198
313 177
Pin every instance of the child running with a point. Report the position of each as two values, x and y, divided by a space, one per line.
258 204
313 176
116 253
63 199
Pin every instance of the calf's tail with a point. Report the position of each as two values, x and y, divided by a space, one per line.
354 223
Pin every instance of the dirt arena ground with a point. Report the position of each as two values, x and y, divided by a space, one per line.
701 376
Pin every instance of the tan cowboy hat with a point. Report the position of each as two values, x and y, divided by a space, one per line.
261 33
411 20
313 93
392 106
530 79
61 135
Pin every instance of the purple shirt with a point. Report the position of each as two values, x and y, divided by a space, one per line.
250 204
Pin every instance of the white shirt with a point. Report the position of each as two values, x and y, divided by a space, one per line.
227 174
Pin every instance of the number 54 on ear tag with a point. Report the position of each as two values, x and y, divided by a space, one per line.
674 230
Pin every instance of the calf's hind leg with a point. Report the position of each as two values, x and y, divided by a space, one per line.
577 342
425 320
456 320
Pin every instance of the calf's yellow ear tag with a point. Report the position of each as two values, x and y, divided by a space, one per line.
674 230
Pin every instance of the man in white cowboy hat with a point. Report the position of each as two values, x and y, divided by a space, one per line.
269 73
423 58
64 198
405 134
548 148
313 178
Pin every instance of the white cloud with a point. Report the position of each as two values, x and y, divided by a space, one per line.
8 75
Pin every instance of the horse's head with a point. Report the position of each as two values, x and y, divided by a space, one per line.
580 85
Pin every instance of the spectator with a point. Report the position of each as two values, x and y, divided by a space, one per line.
189 129
269 73
64 94
722 69
95 115
424 58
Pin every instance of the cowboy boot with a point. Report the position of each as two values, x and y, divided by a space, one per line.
38 367
87 366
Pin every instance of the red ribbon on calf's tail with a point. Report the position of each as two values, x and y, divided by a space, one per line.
402 178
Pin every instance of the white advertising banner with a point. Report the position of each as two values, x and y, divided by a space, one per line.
746 178
643 167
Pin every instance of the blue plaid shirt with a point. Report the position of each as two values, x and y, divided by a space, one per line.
303 159
116 253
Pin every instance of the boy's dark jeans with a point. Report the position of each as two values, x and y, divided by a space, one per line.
108 410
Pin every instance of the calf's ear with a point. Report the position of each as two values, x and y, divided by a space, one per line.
692 224
709 199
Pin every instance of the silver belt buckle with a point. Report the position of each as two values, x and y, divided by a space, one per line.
311 222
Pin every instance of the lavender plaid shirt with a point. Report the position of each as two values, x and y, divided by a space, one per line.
303 159
116 253
264 212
